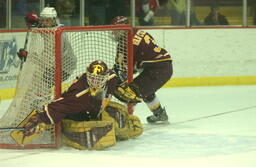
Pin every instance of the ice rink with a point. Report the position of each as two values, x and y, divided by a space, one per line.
209 127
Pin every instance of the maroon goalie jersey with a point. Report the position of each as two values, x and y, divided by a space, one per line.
145 50
77 99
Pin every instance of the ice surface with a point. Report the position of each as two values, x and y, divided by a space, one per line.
209 127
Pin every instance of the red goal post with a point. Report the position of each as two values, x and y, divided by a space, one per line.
58 39
56 56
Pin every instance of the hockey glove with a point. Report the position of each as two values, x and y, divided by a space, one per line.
22 54
126 94
32 19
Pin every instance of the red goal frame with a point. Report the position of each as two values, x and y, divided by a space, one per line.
58 89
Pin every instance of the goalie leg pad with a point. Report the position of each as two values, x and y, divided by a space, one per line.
116 113
126 126
88 135
133 128
20 137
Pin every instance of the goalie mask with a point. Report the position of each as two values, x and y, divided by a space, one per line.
48 17
97 75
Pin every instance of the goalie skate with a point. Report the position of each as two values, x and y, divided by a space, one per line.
20 136
159 117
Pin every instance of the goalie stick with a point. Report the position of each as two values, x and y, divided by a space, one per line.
12 128
25 46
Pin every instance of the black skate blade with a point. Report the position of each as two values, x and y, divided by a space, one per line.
159 123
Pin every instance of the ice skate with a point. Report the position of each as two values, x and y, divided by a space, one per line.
159 116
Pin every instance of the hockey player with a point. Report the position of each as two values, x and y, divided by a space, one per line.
85 100
155 66
89 94
48 20
32 21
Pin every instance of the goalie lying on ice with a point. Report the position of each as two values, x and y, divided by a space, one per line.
90 120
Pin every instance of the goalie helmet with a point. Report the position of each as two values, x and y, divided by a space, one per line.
97 75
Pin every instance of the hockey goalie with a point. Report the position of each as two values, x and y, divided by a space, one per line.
36 78
90 120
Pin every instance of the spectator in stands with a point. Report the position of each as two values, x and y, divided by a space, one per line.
65 10
19 11
97 11
117 8
254 14
215 18
178 12
20 8
2 14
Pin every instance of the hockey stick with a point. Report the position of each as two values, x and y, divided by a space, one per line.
13 128
25 46
22 60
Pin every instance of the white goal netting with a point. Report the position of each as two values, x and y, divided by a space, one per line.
38 79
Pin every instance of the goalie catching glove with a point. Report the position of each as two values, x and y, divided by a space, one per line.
128 93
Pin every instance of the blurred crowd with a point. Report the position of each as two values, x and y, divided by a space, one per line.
147 12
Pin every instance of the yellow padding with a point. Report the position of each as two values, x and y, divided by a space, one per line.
126 126
18 135
211 81
133 128
88 135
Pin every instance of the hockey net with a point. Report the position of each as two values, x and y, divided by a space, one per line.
56 56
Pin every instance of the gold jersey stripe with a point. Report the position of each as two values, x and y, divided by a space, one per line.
111 76
154 61
47 113
82 92
159 56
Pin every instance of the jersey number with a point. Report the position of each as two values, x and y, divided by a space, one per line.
148 39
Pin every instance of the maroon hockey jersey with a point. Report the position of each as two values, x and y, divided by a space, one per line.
78 99
145 50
